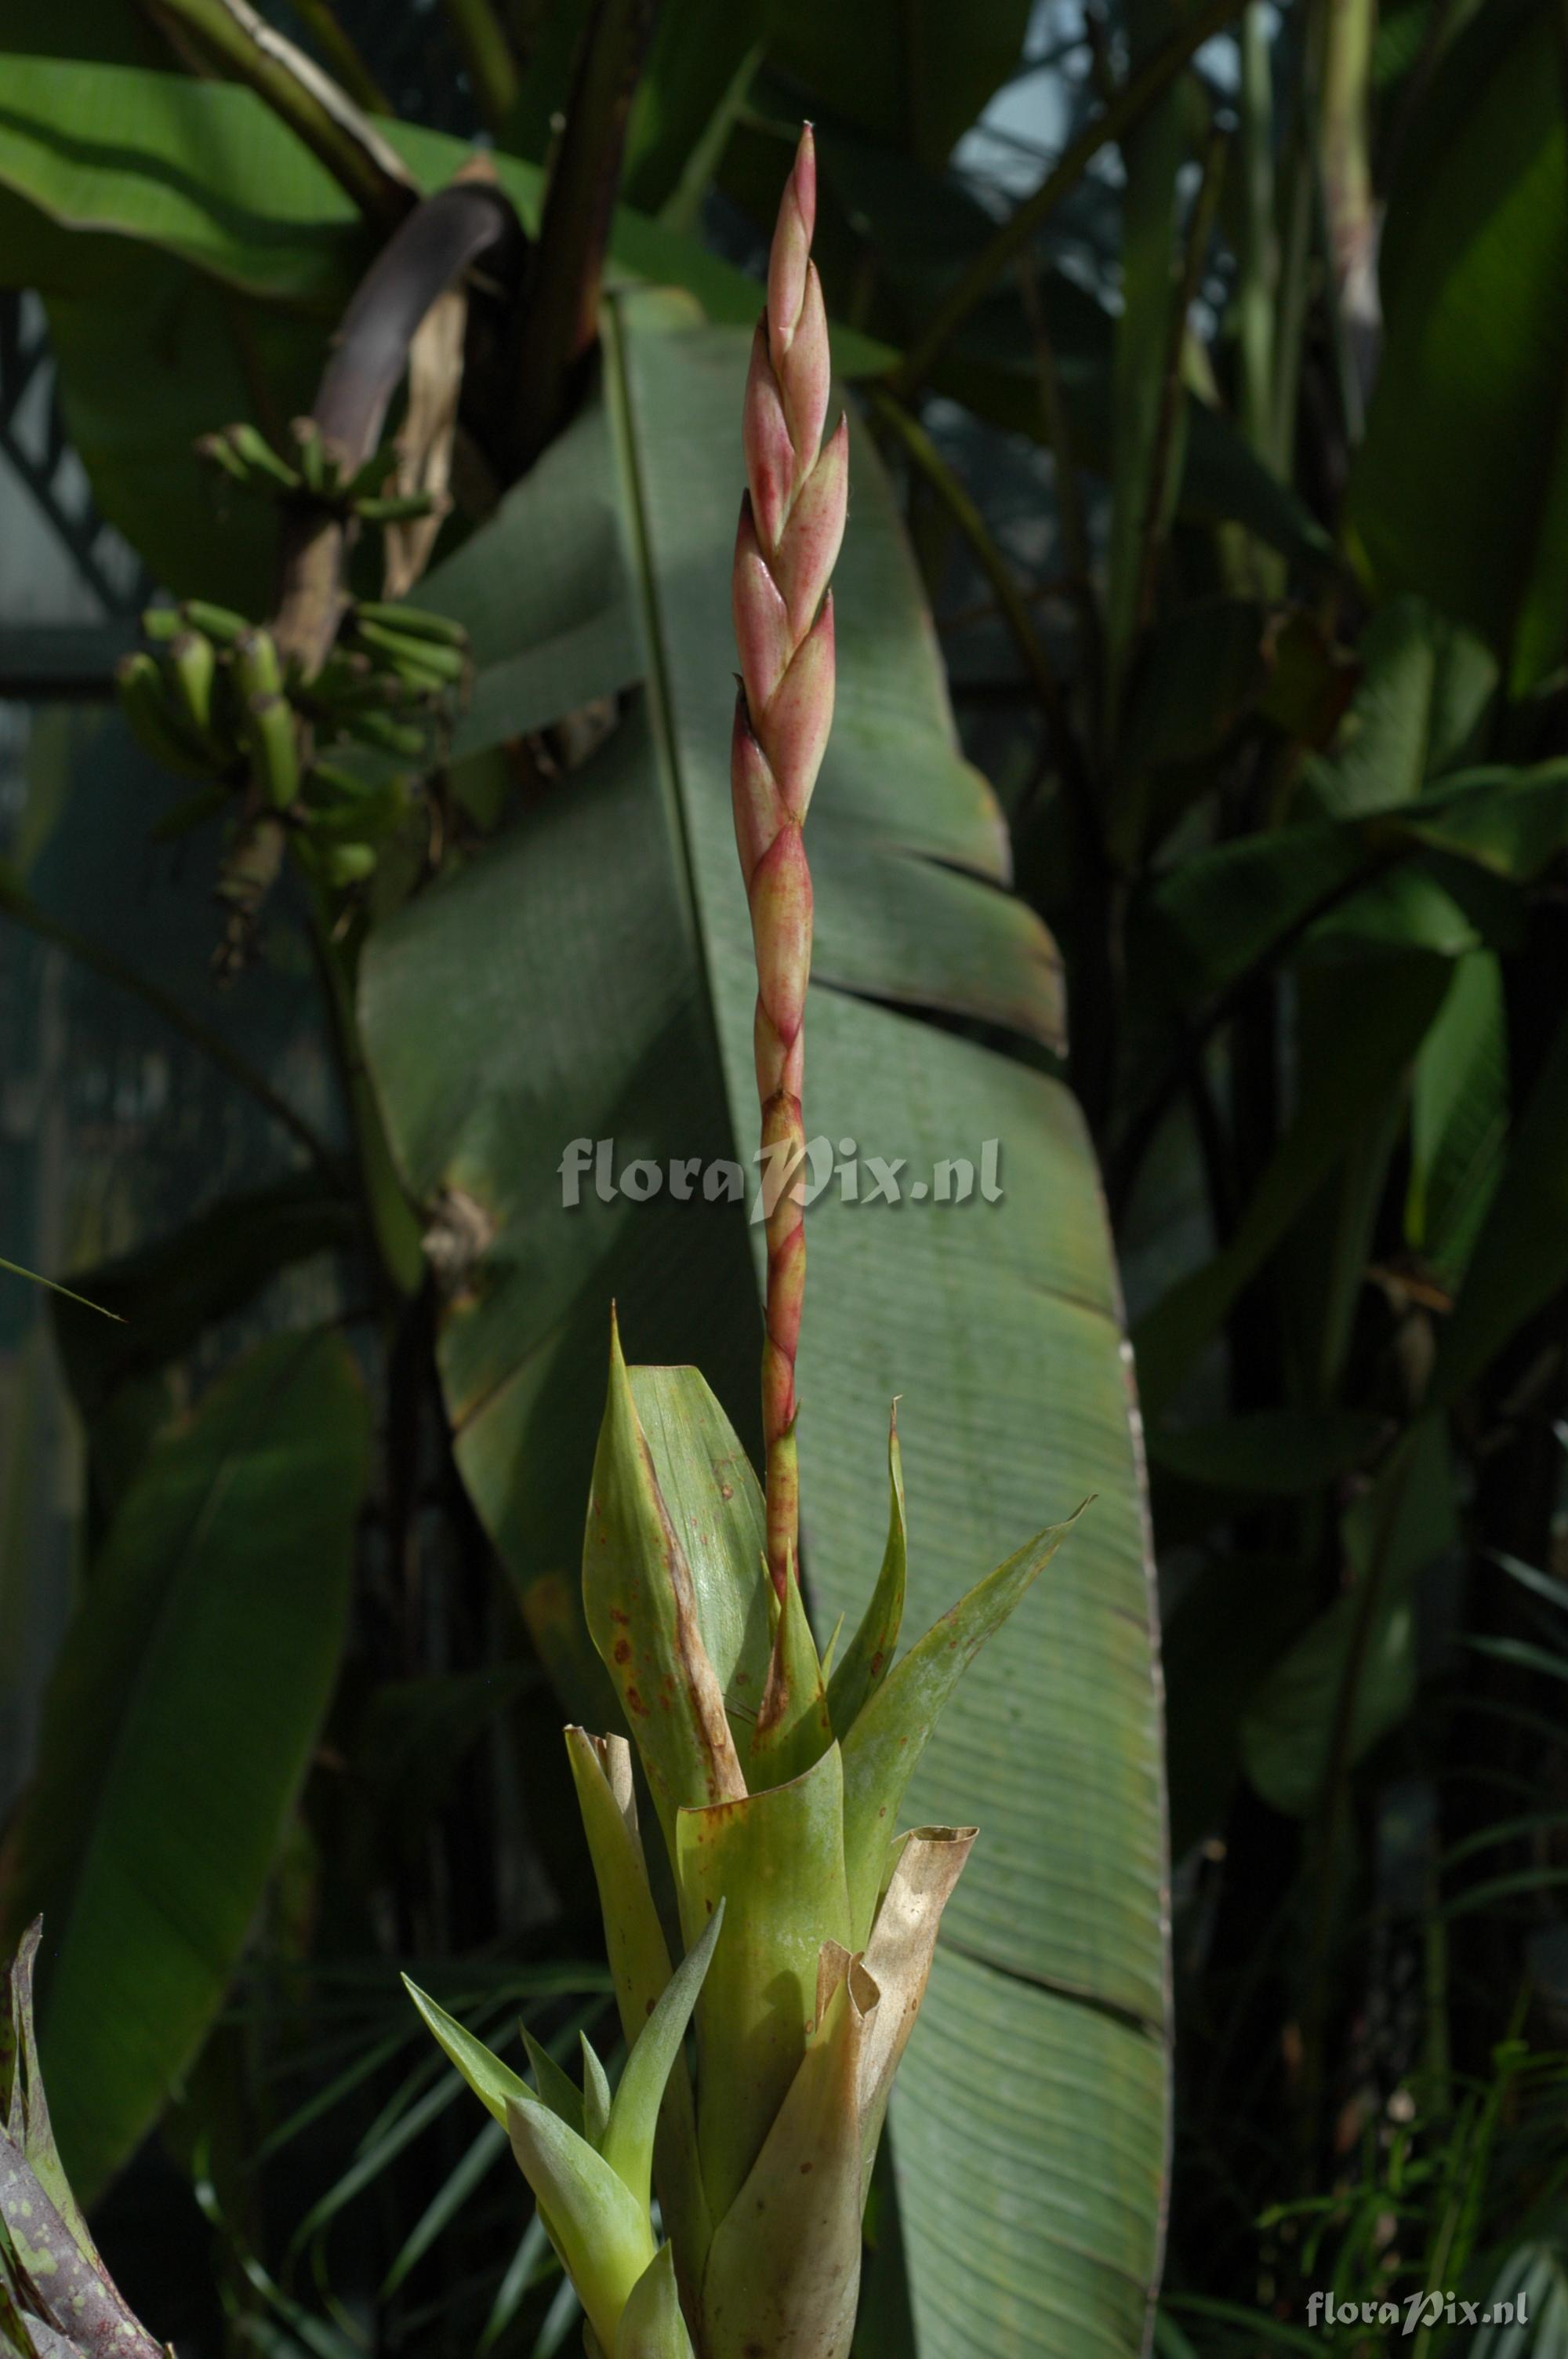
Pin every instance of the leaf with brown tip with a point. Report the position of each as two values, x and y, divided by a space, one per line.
643 1616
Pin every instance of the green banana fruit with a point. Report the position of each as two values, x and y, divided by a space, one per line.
410 655
258 669
346 863
413 622
256 455
221 454
220 622
193 667
394 507
274 748
387 735
159 728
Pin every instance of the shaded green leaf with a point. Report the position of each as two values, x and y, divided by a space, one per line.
1459 1116
211 1632
1381 1029
1352 1676
1521 1256
715 1506
168 1292
495 2084
1470 390
1425 684
1275 1452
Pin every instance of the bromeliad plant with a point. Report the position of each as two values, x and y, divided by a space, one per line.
807 1921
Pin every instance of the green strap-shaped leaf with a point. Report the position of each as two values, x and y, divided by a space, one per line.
595 2096
869 1657
495 2084
627 2144
652 2324
882 1749
164 1293
602 2234
556 2087
640 1965
776 1861
212 1628
593 2219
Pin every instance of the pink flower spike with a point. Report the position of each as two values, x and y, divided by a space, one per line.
792 522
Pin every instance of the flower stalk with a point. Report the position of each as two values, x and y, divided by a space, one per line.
792 522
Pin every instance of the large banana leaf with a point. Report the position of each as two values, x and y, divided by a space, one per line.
180 1719
590 977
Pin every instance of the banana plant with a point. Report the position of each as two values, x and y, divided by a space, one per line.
774 1774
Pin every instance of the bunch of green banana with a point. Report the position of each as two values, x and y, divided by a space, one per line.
320 475
340 754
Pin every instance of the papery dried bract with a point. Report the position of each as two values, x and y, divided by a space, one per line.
783 2271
